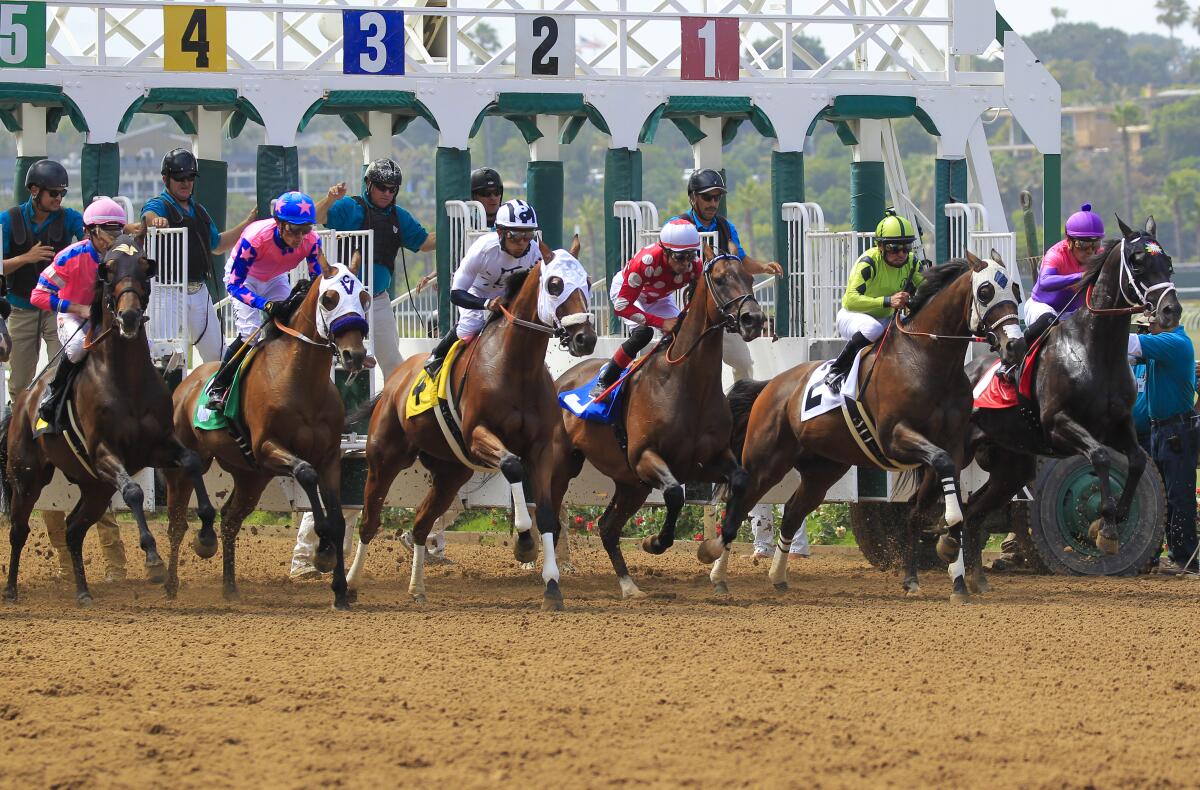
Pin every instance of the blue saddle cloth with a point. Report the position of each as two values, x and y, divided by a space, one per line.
576 402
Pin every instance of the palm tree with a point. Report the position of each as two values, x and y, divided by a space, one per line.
1125 115
1174 14
1058 13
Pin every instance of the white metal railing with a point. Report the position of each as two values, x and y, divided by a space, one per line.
416 311
600 306
969 231
468 221
630 222
168 309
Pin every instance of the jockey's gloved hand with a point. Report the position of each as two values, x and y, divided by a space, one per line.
272 308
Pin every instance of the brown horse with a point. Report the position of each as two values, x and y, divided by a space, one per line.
676 418
123 413
294 417
915 389
509 418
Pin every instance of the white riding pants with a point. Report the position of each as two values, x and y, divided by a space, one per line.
72 331
849 322
248 318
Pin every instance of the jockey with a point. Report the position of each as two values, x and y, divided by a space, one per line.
641 293
483 274
256 274
1061 268
67 286
881 283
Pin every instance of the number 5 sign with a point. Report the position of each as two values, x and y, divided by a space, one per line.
23 35
708 48
194 38
373 42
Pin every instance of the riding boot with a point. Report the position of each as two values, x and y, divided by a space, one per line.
612 370
1035 330
218 391
841 366
608 377
52 397
438 355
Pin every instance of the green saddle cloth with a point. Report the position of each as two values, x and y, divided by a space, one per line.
207 420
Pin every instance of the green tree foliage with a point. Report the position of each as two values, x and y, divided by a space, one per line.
1172 14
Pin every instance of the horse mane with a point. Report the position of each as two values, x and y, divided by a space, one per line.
936 280
512 287
1095 265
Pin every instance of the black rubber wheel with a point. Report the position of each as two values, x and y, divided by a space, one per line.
881 531
1066 498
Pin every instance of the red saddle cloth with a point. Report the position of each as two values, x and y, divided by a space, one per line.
997 392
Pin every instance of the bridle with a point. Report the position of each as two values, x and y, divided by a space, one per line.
730 311
561 326
1126 278
976 318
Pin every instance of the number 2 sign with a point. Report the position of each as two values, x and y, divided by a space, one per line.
708 48
373 42
545 46
194 38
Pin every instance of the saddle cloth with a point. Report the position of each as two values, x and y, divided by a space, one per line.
207 420
819 399
71 432
996 392
604 412
425 393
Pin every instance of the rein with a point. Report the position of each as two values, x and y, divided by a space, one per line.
301 336
729 320
1123 276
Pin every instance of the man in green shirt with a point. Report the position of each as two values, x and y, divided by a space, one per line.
882 282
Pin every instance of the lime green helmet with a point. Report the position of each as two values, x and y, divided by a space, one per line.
894 228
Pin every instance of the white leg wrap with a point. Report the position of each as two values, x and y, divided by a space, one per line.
779 570
521 518
549 564
719 572
356 567
954 514
628 588
416 584
959 566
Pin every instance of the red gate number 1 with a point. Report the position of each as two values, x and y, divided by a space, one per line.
708 48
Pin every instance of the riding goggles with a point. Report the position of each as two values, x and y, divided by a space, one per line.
291 229
520 235
682 255
897 248
110 228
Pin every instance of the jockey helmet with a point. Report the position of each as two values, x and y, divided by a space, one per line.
296 208
1085 224
384 172
486 178
679 234
47 174
179 163
103 211
516 215
706 180
894 228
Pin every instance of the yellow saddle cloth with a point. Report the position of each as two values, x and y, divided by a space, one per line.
426 392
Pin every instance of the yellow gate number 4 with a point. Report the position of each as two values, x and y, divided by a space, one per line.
194 38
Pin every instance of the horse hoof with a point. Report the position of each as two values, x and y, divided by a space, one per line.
632 595
1094 529
947 548
959 597
721 588
913 592
10 595
710 551
552 600
419 599
525 550
231 595
204 549
650 545
324 561
156 572
1108 545
781 587
172 594
352 596
84 600
979 585
341 606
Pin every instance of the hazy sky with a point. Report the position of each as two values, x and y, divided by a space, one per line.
1132 16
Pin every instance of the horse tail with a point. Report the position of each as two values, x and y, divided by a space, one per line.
741 400
5 485
361 412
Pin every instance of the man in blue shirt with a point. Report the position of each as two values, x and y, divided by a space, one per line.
1170 396
393 228
175 208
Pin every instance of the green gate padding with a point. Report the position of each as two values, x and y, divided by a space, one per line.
100 170
950 185
868 189
545 182
622 181
277 171
453 182
1052 224
23 163
211 191
787 186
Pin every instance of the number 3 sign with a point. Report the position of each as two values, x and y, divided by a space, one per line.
373 42
194 38
708 48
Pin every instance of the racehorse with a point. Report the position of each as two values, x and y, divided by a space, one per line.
1082 386
293 416
916 391
509 417
676 419
122 411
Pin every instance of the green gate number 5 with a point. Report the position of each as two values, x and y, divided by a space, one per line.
195 37
14 36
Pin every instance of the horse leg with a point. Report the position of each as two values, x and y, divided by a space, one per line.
548 526
923 501
1067 432
625 502
1007 472
205 542
272 454
94 499
388 454
335 526
247 488
815 480
448 478
652 468
732 472
110 469
1137 466
179 491
488 448
27 483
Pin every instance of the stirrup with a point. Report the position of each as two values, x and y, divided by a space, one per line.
834 380
216 399
433 365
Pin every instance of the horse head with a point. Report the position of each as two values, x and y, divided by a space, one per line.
1146 272
995 295
124 276
341 319
564 294
732 301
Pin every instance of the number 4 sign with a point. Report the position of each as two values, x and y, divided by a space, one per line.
194 38
373 42
708 48
22 35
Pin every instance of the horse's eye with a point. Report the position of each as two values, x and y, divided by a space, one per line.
719 280
986 293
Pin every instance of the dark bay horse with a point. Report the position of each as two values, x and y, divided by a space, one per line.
124 416
294 416
1083 386
509 417
676 418
916 391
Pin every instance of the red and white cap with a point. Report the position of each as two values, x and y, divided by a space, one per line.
679 234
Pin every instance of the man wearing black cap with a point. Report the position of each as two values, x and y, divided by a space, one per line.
175 208
488 189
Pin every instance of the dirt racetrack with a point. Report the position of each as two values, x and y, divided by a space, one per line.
1048 682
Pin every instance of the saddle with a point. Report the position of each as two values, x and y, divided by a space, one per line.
993 391
435 394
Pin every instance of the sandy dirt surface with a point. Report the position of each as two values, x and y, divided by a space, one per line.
1047 682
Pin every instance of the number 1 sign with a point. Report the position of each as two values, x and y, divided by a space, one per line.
708 48
373 42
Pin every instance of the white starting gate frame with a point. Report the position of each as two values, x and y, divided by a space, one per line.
168 329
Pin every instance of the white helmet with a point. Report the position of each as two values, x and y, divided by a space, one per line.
516 215
679 234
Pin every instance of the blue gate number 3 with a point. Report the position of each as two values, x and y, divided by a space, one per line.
373 42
